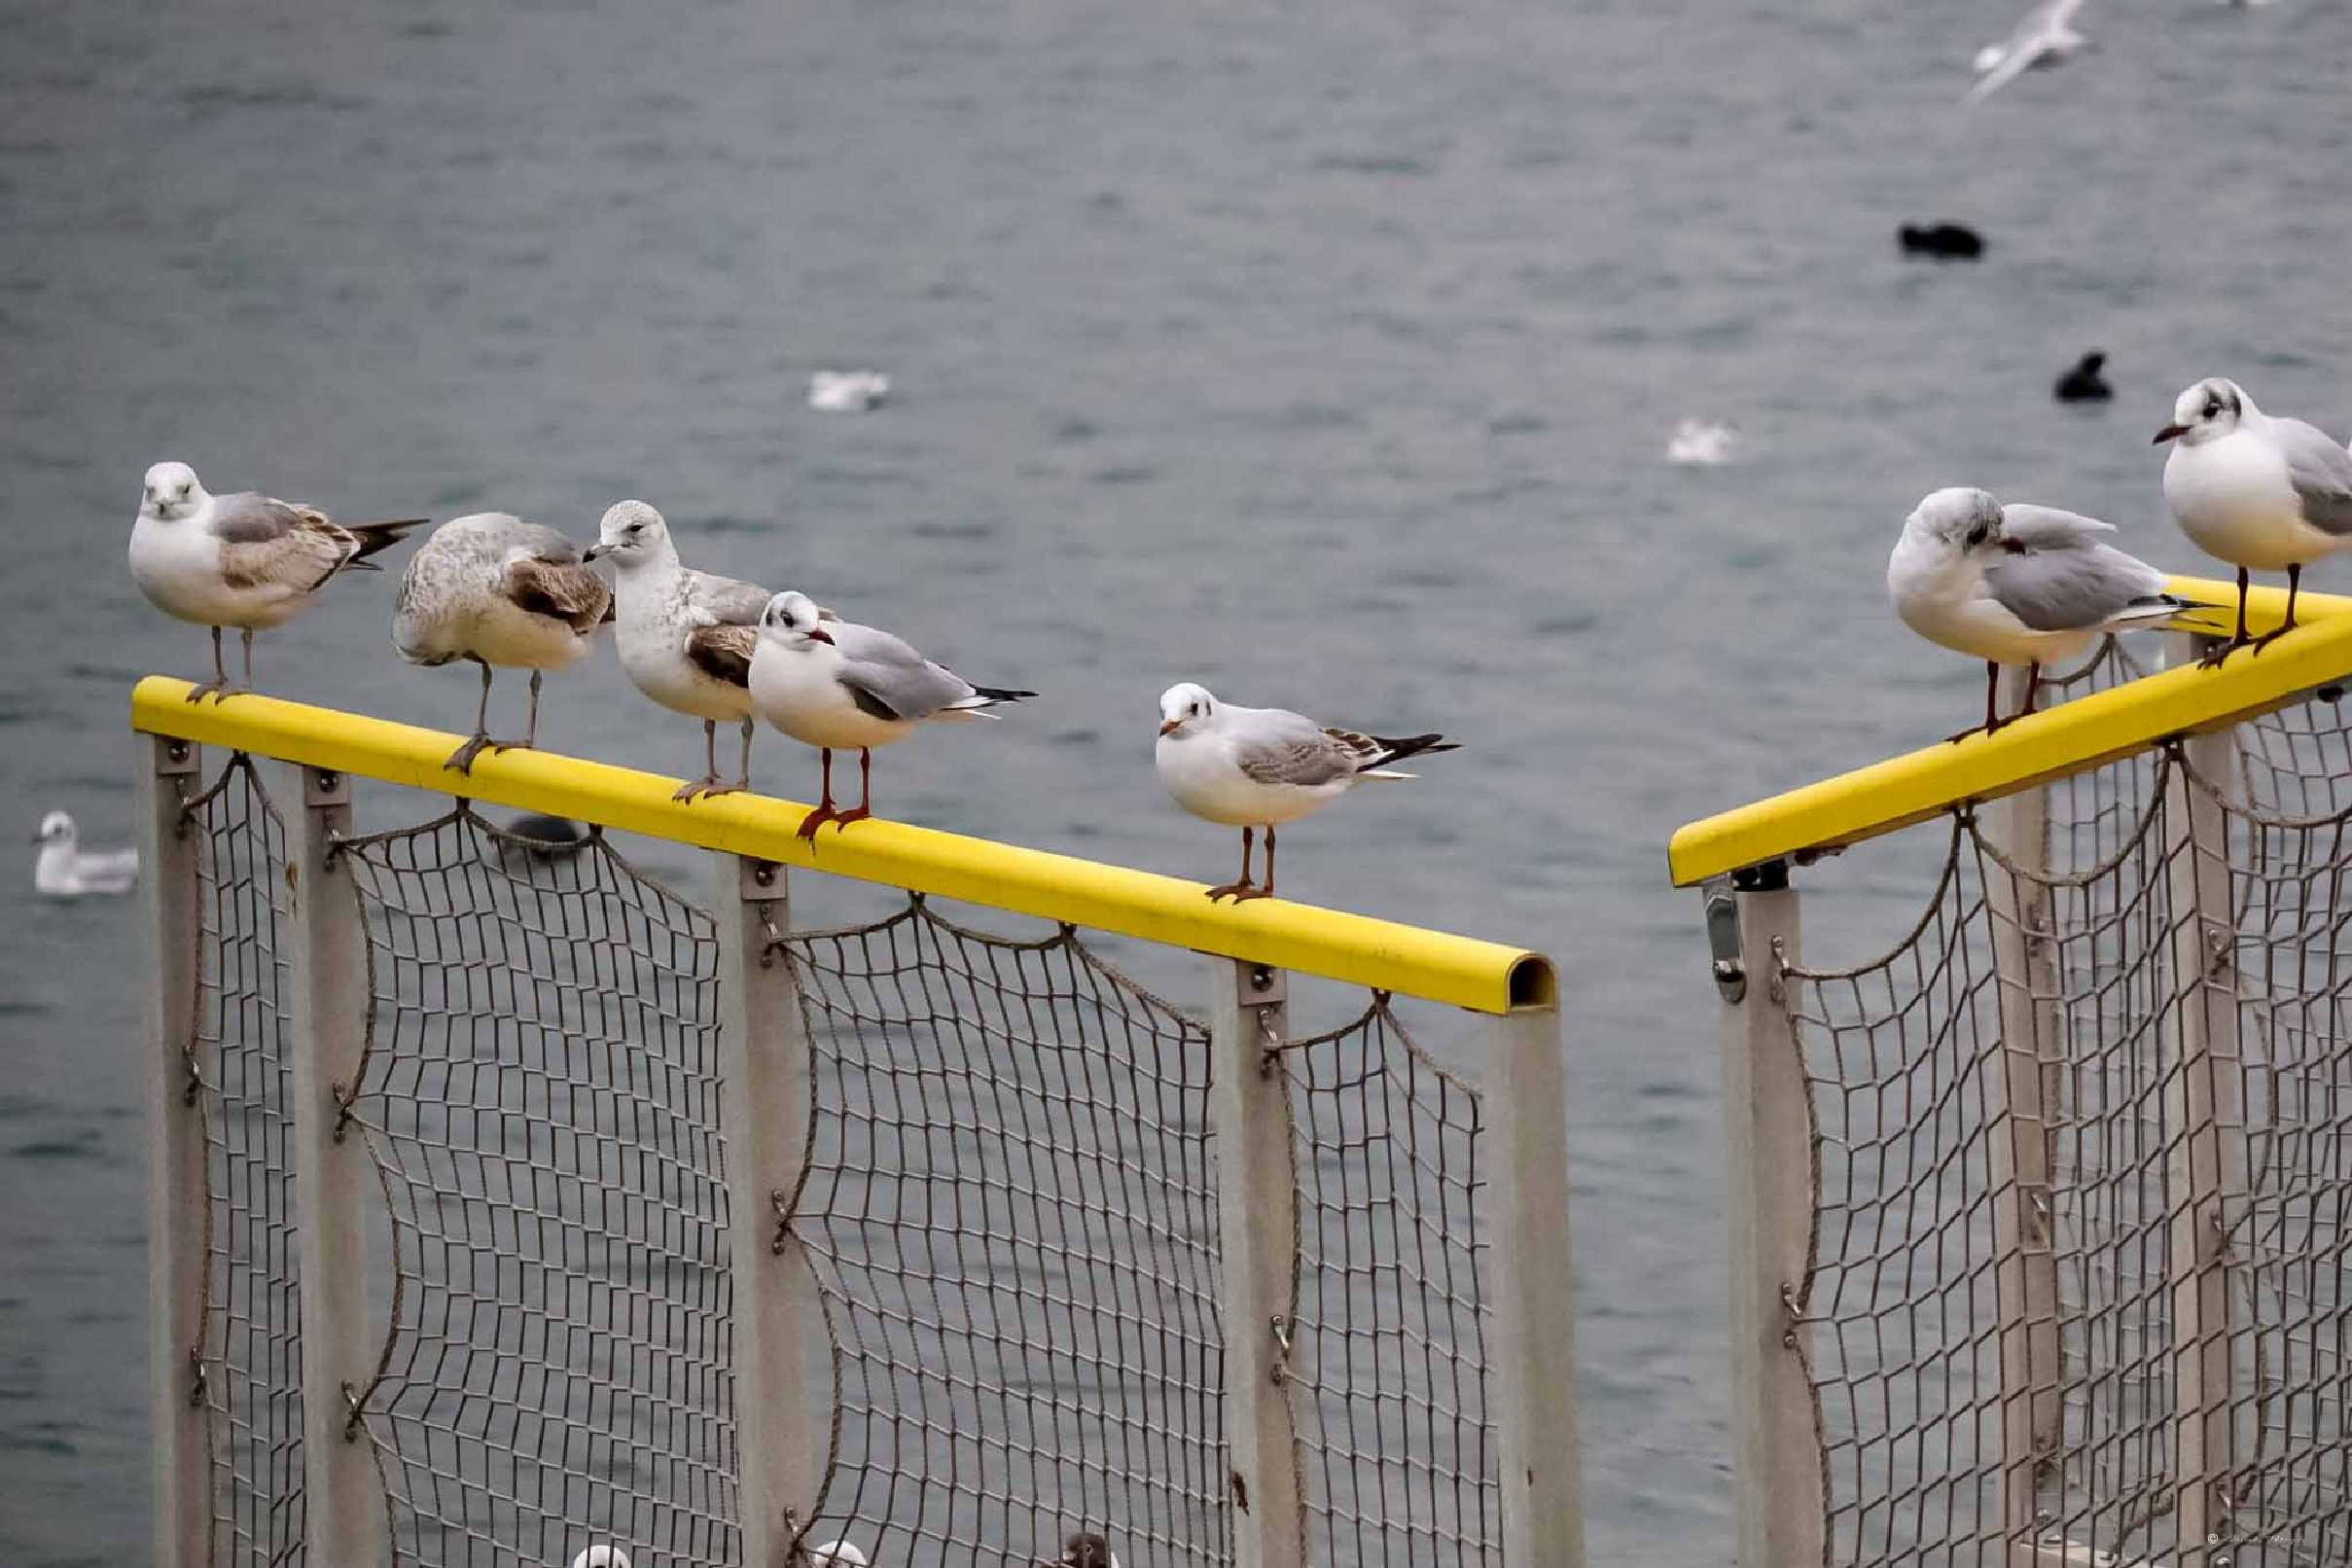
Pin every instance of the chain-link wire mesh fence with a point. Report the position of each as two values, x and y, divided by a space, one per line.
2081 1277
248 1372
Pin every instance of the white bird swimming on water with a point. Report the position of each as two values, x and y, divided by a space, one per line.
601 1557
246 560
847 391
64 870
2017 584
837 684
1702 444
504 593
685 637
1252 768
2043 36
2260 492
837 1554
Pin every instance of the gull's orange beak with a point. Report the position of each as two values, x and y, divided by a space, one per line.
1168 727
2170 433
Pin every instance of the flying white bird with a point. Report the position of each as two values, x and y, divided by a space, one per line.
837 684
246 560
2260 492
64 870
2017 584
2043 36
1249 767
504 593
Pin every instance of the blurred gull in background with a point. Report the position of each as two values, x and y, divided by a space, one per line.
64 870
2043 36
847 391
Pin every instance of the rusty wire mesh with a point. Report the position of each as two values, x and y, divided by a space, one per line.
238 1075
2084 1139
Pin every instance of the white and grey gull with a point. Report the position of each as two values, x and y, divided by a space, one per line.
245 559
2262 492
506 594
835 684
2017 584
64 870
1258 767
685 637
2044 36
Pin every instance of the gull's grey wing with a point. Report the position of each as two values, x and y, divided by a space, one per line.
2024 46
2076 588
2321 473
1276 746
2048 527
265 541
889 679
729 601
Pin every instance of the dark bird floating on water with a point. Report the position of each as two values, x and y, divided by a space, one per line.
1948 240
2083 383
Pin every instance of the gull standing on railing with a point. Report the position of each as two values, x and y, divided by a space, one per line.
837 684
2258 492
502 593
246 560
1249 768
63 871
2043 36
685 637
2017 584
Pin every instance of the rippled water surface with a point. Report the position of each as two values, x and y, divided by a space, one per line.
1328 357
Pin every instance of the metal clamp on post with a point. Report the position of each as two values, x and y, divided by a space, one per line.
1723 939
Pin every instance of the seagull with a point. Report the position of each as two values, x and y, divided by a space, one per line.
1249 767
685 637
847 391
835 683
601 1557
2083 383
2258 492
2043 36
246 560
502 593
1084 1550
64 871
2017 584
1702 444
837 1554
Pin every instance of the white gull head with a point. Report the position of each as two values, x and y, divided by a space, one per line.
2207 412
791 618
1185 709
631 535
171 492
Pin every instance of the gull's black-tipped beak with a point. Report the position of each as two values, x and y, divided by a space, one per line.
2170 433
1168 727
820 634
593 551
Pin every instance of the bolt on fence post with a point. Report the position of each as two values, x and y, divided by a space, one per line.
1778 1481
343 1518
1257 1238
2204 1131
1534 1373
763 1067
171 892
2020 1164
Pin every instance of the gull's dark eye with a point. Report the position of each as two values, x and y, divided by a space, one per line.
2213 406
1979 534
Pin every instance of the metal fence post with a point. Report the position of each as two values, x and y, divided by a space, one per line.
1534 1375
1779 1483
2020 1162
763 1066
343 1518
171 888
1258 1228
2204 1126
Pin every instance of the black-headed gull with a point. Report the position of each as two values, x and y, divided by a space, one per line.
1258 767
507 594
833 684
2263 493
246 560
2017 584
64 870
2043 36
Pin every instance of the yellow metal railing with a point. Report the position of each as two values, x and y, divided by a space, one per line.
1483 976
2067 740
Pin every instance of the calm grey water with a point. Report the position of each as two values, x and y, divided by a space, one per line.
1328 358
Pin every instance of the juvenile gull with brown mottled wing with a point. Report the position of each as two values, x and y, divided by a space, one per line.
246 560
504 593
